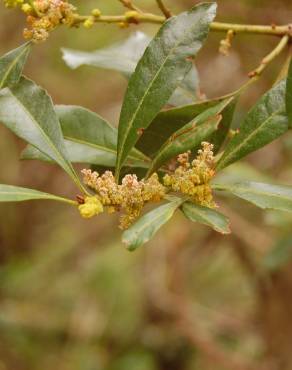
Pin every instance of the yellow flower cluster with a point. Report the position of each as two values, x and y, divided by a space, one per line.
192 178
130 196
44 16
189 178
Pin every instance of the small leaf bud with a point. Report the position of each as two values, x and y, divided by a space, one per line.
96 13
132 16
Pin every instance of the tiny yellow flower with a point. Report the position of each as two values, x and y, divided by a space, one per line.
88 23
92 207
26 8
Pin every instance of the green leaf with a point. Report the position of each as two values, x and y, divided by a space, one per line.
168 122
123 57
11 65
289 95
190 136
162 67
9 193
220 135
187 91
206 216
28 111
265 196
88 139
265 122
147 226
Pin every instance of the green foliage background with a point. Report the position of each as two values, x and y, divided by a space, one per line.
71 296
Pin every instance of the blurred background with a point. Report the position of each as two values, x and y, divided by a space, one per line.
73 298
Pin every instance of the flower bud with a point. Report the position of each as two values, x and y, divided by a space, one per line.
88 23
96 12
132 16
92 207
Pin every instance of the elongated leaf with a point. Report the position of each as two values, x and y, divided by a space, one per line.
187 91
190 136
77 153
265 122
85 153
11 65
147 226
289 95
9 193
265 196
184 140
122 56
206 216
88 139
28 111
162 67
219 136
168 122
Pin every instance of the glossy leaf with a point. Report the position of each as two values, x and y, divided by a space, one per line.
289 95
187 91
265 122
168 122
122 56
206 216
190 136
88 139
162 67
147 226
220 135
28 111
265 196
9 193
11 65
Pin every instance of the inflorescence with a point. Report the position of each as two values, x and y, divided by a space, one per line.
193 178
43 16
190 179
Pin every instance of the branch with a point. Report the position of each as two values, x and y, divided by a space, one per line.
255 74
164 9
248 28
215 26
270 57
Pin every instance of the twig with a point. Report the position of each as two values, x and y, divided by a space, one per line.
250 28
270 57
285 67
128 4
215 26
164 9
